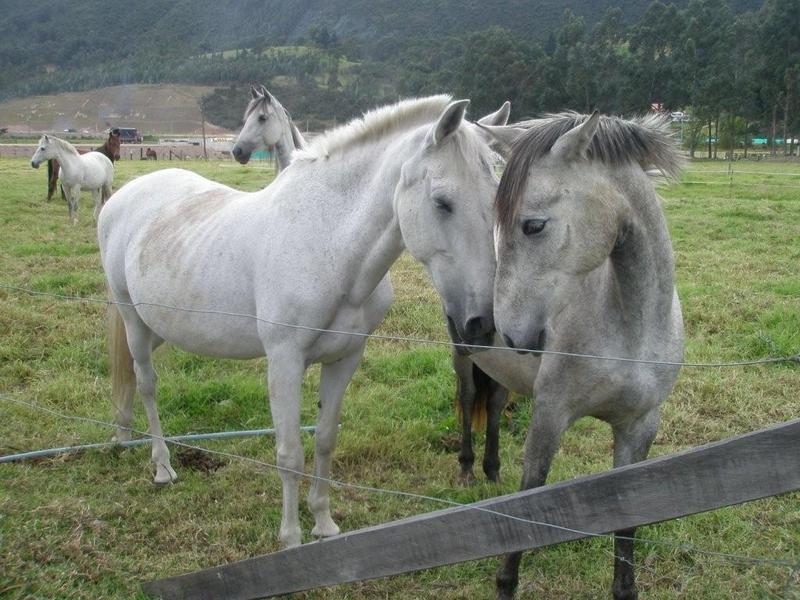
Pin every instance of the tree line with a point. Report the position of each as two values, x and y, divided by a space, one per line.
733 77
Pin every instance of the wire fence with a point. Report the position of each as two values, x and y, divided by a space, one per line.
792 565
336 483
794 358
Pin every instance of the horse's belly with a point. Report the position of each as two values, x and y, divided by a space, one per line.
203 310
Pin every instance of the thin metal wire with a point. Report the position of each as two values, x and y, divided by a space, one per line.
452 503
740 363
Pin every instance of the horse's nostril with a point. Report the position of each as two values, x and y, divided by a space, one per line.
509 342
237 151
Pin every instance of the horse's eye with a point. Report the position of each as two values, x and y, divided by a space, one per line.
262 118
443 205
533 226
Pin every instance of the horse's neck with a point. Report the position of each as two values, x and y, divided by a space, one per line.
362 186
70 161
285 146
643 266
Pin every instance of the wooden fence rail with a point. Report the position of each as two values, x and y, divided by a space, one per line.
743 468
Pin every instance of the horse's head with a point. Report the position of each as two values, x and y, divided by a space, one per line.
264 123
559 218
44 151
113 143
444 206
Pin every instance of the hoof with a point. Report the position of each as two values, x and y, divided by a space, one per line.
466 478
121 436
325 529
290 539
165 474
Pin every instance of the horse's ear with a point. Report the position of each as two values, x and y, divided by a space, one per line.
501 135
498 117
575 142
265 92
449 121
46 139
254 92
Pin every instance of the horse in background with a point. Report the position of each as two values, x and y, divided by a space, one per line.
150 154
93 171
110 148
266 124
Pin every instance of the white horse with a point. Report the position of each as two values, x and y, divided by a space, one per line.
266 124
584 265
92 171
312 249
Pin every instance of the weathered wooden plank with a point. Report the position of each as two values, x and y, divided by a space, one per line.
743 468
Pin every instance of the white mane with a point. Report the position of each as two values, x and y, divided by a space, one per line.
62 144
373 125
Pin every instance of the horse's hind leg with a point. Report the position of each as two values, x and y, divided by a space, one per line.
333 382
631 444
498 397
97 197
141 342
541 443
73 194
466 392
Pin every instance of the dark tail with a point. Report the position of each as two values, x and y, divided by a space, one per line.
480 405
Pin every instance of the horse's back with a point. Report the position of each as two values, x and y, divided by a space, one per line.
175 238
98 170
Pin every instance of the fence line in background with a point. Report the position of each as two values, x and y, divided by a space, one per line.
783 563
795 358
219 435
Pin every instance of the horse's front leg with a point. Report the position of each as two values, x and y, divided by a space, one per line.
541 443
632 443
333 382
285 379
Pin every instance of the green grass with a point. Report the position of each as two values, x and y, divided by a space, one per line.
92 525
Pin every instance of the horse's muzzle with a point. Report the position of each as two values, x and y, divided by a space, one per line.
240 156
35 165
534 349
478 331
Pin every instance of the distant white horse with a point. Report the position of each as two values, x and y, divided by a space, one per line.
92 171
312 250
266 124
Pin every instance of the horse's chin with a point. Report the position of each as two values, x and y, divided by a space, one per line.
242 160
34 165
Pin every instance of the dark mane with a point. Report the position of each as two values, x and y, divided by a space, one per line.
645 141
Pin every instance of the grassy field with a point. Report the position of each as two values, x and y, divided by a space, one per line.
92 526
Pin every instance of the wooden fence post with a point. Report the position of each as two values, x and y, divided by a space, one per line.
740 469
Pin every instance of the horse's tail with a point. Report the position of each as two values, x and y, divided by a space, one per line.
480 404
123 376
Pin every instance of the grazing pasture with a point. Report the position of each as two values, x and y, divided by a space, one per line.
93 526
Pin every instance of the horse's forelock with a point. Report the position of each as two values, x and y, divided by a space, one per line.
645 141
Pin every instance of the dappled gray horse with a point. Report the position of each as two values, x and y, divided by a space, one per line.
585 265
311 251
266 124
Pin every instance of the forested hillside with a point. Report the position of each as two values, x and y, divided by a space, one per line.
733 65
